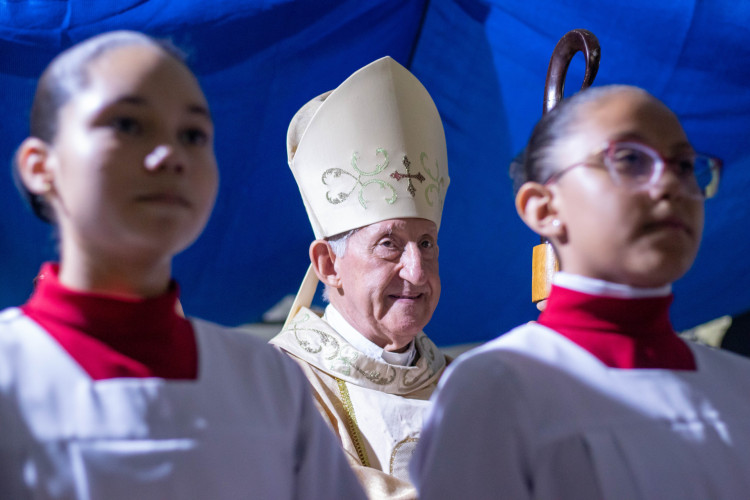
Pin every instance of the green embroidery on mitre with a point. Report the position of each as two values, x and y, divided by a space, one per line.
439 182
335 173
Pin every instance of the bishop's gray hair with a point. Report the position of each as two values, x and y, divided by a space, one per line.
338 244
339 241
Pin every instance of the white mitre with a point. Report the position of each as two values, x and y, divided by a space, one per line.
372 149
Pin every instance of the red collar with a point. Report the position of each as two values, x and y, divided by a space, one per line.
112 337
621 333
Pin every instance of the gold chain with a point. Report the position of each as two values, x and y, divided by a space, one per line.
351 422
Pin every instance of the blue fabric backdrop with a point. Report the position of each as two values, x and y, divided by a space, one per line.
484 64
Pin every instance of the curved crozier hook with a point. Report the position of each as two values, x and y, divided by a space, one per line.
578 40
544 260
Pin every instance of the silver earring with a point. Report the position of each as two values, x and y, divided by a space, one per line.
555 223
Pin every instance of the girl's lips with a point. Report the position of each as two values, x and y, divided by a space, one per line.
668 223
165 198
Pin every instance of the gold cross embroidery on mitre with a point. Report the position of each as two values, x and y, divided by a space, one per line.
408 175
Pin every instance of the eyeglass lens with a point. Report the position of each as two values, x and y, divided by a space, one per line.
635 164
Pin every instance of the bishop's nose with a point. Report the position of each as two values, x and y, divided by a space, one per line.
412 265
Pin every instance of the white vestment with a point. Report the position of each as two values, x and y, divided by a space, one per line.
375 408
531 415
245 428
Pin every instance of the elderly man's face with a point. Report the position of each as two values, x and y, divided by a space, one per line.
389 281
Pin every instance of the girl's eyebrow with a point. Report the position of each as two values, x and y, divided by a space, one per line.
635 136
199 109
136 100
628 136
131 99
682 146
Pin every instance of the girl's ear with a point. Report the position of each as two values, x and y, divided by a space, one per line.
323 260
536 206
33 163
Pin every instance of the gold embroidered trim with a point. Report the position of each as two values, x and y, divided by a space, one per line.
351 422
314 341
395 450
342 358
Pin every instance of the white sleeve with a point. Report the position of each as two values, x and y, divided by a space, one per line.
473 444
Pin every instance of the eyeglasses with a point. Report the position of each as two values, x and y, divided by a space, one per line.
638 167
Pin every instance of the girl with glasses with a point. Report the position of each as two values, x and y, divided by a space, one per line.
599 398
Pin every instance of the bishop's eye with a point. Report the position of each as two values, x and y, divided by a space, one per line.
387 248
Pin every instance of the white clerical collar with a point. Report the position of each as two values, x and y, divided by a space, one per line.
603 288
363 344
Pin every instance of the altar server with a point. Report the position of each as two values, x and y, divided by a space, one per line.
599 398
106 391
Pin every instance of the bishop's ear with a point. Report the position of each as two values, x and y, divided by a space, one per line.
33 164
536 206
323 260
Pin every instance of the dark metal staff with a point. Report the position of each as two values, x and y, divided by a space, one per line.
544 260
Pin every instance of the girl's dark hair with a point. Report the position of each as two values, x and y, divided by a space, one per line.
65 75
536 163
